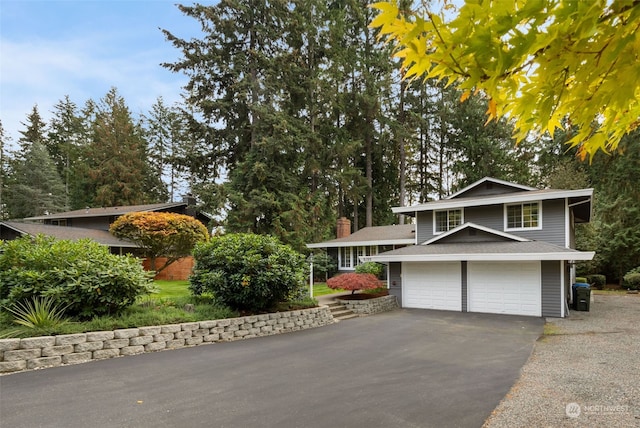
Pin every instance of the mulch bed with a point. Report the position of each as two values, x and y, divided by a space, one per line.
364 296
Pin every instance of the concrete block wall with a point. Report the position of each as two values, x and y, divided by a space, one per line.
371 306
51 351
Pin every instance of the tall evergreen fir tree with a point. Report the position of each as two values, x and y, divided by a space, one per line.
484 149
245 87
4 140
616 180
359 71
33 186
118 171
64 140
166 135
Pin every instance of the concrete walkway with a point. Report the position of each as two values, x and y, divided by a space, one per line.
329 298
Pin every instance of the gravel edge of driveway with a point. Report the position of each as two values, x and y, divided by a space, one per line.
583 372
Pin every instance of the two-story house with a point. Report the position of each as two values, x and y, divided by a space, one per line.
493 247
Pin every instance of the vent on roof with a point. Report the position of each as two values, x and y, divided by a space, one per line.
472 232
489 185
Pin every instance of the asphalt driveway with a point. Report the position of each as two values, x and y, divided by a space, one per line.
406 368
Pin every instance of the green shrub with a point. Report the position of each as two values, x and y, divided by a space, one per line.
373 268
303 303
597 281
581 279
246 271
81 276
631 281
323 265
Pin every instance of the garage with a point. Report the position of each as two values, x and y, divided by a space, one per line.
505 288
432 286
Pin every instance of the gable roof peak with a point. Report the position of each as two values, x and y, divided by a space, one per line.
484 180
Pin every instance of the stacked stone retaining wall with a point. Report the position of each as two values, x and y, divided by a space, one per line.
52 351
371 306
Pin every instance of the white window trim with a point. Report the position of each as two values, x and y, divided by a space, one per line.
350 267
353 251
506 220
435 231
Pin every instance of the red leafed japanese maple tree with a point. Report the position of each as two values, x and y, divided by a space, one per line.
354 281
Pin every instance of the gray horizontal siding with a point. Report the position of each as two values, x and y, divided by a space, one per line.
424 226
553 224
491 216
395 275
552 288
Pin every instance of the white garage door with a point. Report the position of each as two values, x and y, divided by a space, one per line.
504 288
432 286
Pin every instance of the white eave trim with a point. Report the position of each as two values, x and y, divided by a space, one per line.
584 255
330 244
493 200
478 227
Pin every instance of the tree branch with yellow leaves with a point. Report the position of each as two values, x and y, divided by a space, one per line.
515 51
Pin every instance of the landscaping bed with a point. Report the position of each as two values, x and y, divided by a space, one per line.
173 304
365 296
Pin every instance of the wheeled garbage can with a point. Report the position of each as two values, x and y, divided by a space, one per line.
581 294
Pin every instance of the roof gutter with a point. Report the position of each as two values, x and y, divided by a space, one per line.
330 244
492 200
485 257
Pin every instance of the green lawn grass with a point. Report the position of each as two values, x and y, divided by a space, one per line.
177 289
171 289
321 289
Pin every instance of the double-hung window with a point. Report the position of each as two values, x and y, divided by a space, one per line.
526 215
446 220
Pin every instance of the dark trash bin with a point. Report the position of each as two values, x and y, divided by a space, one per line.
581 296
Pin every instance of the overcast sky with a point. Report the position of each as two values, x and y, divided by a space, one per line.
53 48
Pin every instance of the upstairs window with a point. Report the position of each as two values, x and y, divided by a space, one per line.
446 220
523 216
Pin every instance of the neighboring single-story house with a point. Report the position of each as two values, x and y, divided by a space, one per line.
10 230
94 223
493 247
101 218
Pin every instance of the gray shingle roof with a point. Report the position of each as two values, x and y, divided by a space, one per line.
487 251
70 233
376 235
108 211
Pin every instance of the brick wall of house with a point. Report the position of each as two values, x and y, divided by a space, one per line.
179 270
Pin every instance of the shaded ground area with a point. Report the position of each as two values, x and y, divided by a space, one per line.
585 374
406 368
